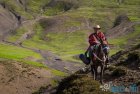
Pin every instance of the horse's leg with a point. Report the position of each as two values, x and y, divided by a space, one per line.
94 71
95 68
101 74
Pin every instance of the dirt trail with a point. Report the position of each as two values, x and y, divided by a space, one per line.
53 61
29 26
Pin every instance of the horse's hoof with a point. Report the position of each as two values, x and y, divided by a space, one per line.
108 65
101 82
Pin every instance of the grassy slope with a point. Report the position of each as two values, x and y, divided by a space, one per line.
121 41
21 54
101 12
16 53
69 44
62 43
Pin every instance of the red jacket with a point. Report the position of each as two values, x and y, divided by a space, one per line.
95 38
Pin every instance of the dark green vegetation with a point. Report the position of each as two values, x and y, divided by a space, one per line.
118 72
126 65
129 58
80 84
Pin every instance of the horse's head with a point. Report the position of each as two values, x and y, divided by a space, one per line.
100 52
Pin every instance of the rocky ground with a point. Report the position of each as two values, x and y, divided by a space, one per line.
18 78
121 77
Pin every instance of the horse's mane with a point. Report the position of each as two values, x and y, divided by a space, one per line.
100 52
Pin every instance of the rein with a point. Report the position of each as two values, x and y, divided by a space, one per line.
98 58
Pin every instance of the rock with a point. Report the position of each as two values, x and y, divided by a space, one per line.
8 22
121 27
121 19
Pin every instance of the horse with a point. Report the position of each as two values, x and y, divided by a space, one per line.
98 58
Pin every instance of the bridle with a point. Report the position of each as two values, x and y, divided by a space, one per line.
99 58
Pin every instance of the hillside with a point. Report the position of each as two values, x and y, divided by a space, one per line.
118 78
50 34
21 78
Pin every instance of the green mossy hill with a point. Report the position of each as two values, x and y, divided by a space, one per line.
80 84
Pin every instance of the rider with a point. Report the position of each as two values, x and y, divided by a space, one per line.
95 39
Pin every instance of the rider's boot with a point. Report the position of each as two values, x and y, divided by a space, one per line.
107 62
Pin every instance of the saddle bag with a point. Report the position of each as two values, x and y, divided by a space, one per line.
84 59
